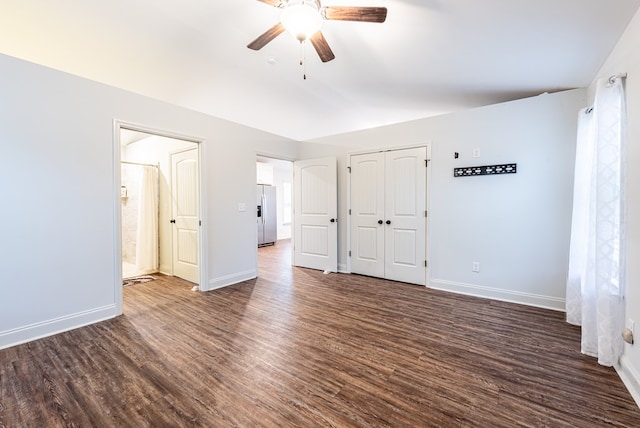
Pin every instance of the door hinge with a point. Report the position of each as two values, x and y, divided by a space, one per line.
199 222
349 169
426 163
426 213
426 264
349 253
349 211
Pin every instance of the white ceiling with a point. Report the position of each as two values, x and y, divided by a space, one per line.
430 56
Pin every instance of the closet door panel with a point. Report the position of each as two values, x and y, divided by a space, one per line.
404 247
405 233
367 210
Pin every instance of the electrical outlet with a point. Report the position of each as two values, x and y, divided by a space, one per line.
475 267
475 153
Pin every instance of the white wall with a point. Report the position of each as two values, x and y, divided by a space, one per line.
626 58
61 195
517 226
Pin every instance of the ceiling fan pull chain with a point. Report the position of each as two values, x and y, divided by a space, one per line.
303 59
301 51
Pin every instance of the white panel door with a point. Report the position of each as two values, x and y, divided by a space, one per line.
388 222
405 223
315 237
367 214
186 214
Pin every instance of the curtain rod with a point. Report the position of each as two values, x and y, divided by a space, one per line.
610 81
140 164
615 77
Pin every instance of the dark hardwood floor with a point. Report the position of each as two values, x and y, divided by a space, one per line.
299 348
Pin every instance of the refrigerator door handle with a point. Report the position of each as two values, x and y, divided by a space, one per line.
264 207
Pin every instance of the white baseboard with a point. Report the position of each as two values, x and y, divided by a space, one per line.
166 270
537 300
54 326
342 268
235 278
630 378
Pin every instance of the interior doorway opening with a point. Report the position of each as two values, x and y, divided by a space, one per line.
159 206
274 210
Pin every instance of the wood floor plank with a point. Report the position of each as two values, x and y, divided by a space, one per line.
296 347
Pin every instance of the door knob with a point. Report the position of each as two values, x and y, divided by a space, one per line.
380 222
333 220
172 221
388 221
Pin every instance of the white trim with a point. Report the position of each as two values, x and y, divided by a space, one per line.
347 267
630 378
343 268
275 157
165 270
393 149
427 226
57 325
546 302
224 281
202 262
154 131
117 218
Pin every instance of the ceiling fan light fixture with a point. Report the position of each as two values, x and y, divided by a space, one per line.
302 19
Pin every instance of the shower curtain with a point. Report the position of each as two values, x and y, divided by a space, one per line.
147 230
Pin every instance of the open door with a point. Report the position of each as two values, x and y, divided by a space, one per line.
186 214
315 237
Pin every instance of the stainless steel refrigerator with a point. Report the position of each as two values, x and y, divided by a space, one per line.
267 221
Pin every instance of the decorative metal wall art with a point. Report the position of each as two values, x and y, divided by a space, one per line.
468 171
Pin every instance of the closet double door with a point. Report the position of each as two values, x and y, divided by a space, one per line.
388 214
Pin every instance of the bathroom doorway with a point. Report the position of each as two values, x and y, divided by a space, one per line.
160 206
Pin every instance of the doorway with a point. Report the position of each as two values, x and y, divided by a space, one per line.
274 216
160 205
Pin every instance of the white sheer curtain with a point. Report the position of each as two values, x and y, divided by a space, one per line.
595 282
147 230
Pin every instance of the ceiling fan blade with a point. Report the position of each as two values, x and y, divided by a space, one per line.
266 37
354 13
274 3
322 47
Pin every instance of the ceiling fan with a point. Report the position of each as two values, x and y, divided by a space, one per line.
304 18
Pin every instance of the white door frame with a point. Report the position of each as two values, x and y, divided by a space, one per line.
118 125
427 201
